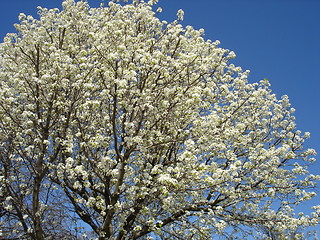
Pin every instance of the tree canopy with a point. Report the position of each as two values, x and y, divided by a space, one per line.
135 128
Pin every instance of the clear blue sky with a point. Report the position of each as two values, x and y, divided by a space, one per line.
274 39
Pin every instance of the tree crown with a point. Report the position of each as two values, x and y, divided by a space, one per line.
141 128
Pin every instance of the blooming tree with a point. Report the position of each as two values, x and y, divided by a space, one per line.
140 129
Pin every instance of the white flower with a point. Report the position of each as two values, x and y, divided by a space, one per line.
91 201
180 14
